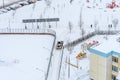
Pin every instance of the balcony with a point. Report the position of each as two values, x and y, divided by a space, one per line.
114 70
115 63
114 73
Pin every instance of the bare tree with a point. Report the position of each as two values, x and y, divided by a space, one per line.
115 23
54 9
70 26
82 32
14 12
48 3
69 67
81 22
95 24
109 27
71 1
33 8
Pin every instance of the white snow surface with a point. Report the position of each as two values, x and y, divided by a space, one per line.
24 57
111 44
94 11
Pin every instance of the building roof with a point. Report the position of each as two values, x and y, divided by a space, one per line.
108 47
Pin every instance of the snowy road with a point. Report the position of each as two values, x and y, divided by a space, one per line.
56 62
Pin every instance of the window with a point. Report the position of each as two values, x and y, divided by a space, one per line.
91 79
114 68
114 77
114 59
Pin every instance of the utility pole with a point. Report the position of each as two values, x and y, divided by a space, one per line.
81 23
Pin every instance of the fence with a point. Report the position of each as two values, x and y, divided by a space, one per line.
36 32
48 70
73 43
40 20
27 31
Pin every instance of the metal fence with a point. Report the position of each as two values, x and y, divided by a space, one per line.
51 53
27 31
34 31
40 20
111 32
79 40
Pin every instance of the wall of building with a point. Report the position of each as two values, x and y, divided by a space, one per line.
98 67
93 66
119 63
109 68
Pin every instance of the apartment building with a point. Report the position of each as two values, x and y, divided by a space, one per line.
105 60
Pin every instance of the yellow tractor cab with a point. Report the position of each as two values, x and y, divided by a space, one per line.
59 45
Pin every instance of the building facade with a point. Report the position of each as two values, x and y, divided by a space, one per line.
104 66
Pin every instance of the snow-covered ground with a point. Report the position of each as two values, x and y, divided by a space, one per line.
68 13
71 15
24 57
70 71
